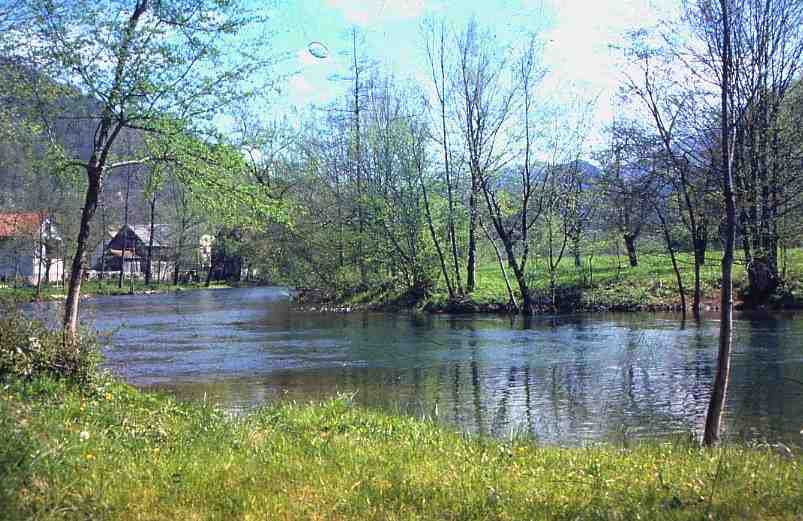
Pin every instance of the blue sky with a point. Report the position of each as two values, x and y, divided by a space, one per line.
577 35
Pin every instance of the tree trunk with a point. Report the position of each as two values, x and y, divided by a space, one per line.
471 264
510 294
41 248
697 298
125 237
576 251
94 174
149 261
713 418
209 273
671 250
434 236
630 246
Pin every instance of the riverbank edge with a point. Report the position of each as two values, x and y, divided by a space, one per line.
110 451
28 294
316 300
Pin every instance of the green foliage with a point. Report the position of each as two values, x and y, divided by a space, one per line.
28 349
112 452
215 174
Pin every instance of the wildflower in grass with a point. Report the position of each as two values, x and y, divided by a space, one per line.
89 456
84 435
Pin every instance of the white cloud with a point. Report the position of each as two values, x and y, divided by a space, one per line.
306 59
301 91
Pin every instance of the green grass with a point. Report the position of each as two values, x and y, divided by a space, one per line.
25 293
610 283
117 453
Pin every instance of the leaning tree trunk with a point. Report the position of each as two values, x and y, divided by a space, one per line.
510 295
713 418
434 236
94 174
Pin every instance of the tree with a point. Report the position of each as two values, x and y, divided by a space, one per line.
628 182
684 127
721 37
137 61
436 37
484 106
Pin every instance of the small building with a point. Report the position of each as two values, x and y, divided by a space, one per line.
30 248
126 249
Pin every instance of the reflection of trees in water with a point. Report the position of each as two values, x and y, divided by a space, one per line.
767 392
637 383
567 379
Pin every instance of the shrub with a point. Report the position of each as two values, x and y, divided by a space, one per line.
29 349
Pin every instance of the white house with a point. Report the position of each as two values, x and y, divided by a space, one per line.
29 248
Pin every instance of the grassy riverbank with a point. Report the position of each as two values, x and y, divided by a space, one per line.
602 283
113 452
90 288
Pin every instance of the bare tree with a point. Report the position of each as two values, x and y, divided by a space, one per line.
436 37
484 107
513 230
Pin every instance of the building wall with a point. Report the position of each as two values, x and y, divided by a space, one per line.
25 266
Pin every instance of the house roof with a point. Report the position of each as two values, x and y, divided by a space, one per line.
161 233
15 224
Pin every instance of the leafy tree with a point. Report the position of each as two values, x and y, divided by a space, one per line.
136 62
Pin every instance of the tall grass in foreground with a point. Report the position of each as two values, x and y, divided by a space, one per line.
112 452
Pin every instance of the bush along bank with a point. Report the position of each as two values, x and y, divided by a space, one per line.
75 444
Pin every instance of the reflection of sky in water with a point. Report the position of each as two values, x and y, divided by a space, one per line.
567 379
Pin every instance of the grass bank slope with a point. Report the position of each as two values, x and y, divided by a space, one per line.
117 453
602 283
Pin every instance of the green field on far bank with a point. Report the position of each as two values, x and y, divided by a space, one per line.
112 452
606 282
27 293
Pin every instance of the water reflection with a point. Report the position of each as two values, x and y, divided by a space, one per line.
567 379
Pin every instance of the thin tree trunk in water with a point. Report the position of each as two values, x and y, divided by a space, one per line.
699 260
94 173
510 294
671 250
713 418
148 263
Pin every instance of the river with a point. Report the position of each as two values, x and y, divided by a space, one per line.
566 379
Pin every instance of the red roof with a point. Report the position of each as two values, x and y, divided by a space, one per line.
20 223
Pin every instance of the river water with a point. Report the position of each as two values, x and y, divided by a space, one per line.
565 379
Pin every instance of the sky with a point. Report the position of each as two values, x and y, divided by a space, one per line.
577 36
